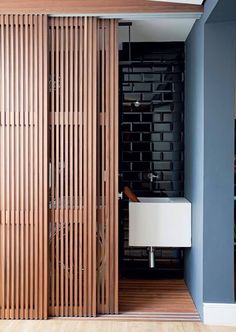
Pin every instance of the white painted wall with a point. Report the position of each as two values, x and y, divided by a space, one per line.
158 30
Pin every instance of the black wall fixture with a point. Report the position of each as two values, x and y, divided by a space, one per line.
151 138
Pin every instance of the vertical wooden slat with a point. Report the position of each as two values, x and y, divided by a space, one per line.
31 154
89 165
23 179
45 157
7 172
66 184
17 133
79 51
22 182
12 165
2 189
85 170
26 168
116 169
96 200
62 83
36 144
77 300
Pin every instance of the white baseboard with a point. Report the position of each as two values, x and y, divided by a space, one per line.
219 314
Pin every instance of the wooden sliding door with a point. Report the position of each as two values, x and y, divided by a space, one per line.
58 166
83 167
23 166
107 229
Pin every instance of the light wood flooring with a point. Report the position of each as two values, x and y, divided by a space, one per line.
76 325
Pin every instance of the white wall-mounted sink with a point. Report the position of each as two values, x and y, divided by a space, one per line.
160 222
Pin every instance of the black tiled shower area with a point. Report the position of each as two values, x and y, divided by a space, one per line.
151 142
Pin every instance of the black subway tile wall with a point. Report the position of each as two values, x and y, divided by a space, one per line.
151 139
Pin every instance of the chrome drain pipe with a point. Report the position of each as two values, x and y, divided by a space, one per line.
151 257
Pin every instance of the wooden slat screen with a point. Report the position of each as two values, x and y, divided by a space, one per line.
73 55
107 286
23 166
79 238
83 167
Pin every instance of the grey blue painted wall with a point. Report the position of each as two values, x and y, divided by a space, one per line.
209 149
218 208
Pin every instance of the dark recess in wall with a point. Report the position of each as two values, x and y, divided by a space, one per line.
151 141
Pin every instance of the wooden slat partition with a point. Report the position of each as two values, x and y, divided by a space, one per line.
73 198
84 167
24 166
107 289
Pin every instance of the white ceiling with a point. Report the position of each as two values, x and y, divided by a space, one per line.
192 2
159 30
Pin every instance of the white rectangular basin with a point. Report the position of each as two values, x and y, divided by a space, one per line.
160 222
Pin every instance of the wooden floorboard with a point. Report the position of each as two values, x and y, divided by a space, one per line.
76 325
156 299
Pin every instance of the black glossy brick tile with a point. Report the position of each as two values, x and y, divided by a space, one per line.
172 77
131 117
141 87
126 126
172 136
152 77
131 156
132 176
147 117
157 117
162 68
172 176
141 127
165 186
162 165
162 87
125 166
140 69
174 156
127 87
162 146
132 97
146 137
150 156
129 137
172 117
141 166
162 127
142 146
156 137
163 107
125 146
133 78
